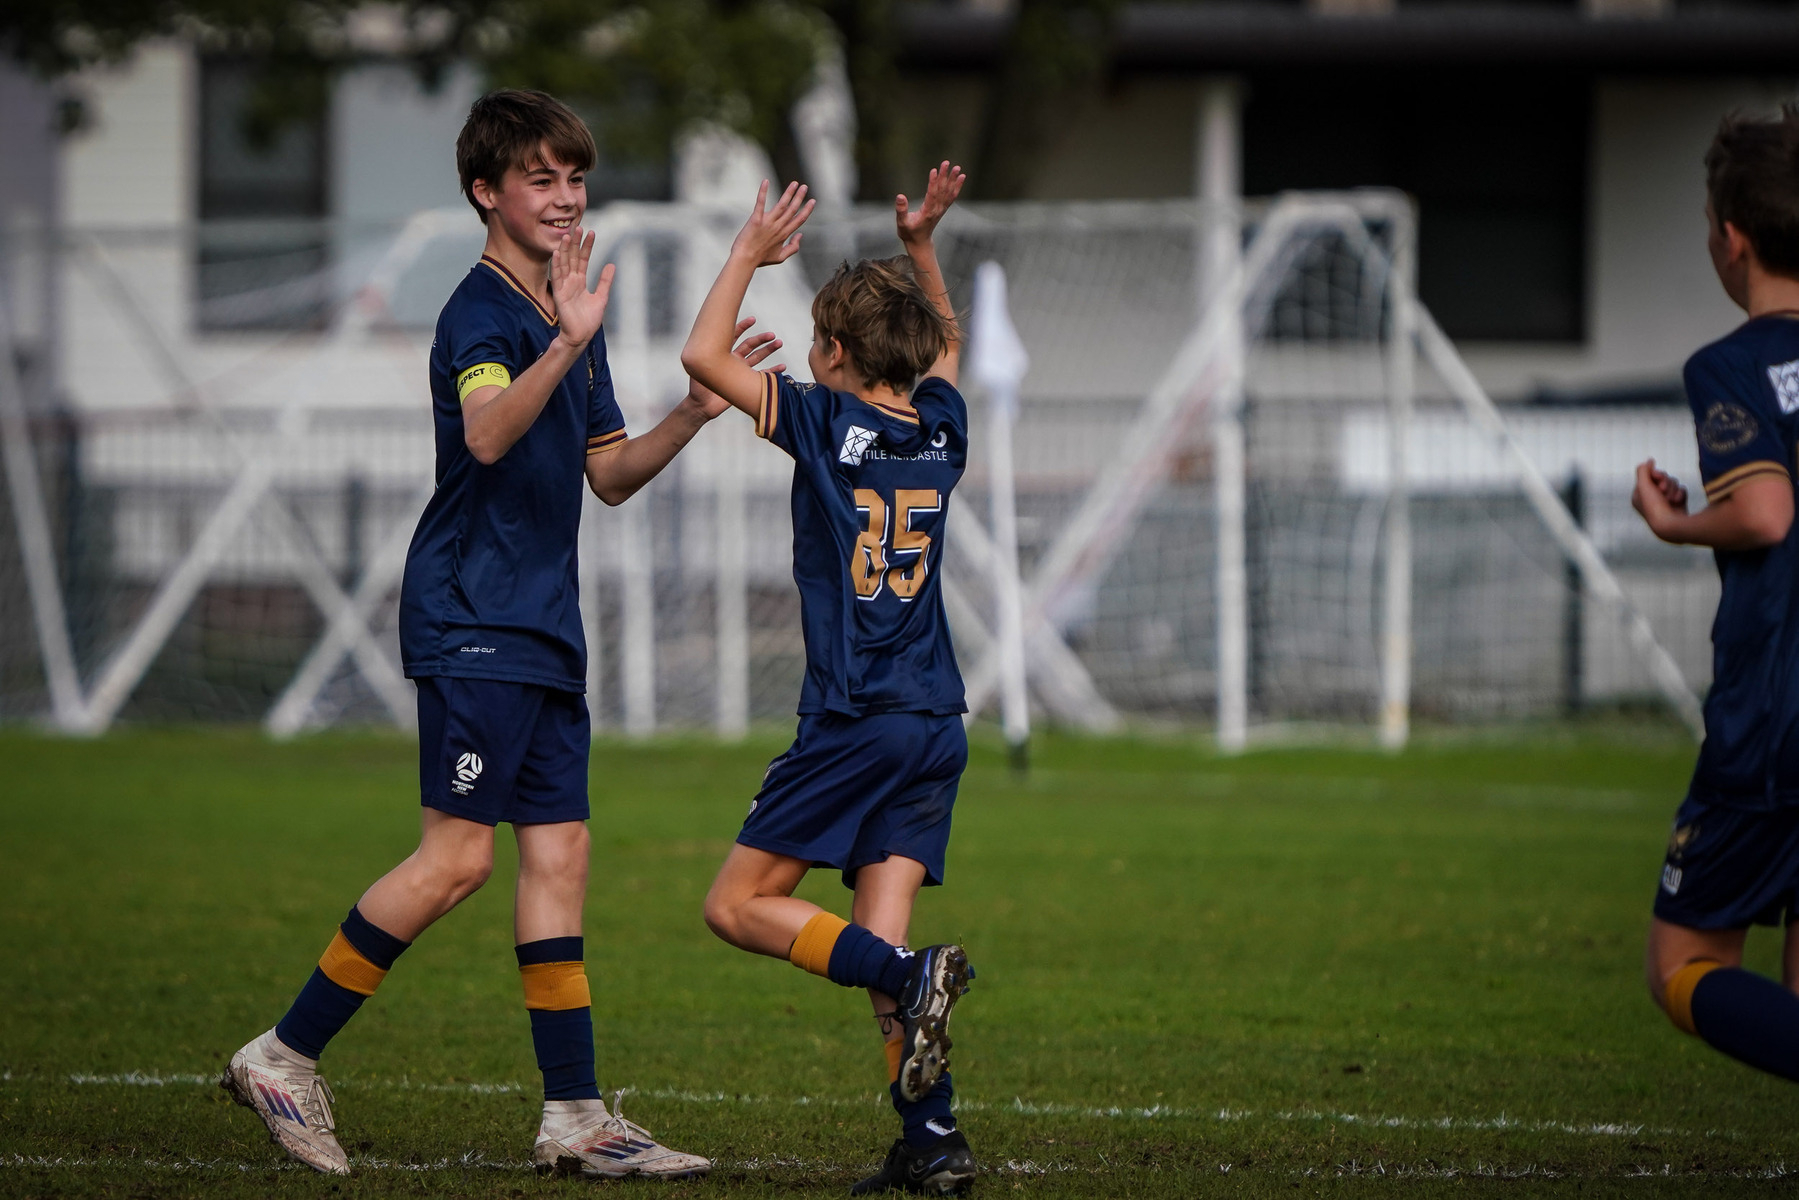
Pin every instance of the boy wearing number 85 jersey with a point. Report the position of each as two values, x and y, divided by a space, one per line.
869 783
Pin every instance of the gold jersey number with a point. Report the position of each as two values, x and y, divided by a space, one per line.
877 542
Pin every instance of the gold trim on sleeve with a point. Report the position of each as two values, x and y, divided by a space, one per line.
1736 477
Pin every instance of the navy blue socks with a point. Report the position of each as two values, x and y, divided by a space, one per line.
930 1118
349 971
1749 1017
561 1007
860 959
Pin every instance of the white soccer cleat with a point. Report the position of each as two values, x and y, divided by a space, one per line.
580 1137
285 1089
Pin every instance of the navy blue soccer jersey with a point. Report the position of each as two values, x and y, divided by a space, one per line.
871 489
1744 391
490 587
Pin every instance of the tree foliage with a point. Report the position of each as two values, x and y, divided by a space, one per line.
644 69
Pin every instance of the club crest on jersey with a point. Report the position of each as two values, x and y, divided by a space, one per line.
1785 378
468 769
856 441
1727 427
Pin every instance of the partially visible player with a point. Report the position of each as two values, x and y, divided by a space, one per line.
1733 858
878 443
491 632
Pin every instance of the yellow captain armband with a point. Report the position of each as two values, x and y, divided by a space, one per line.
479 376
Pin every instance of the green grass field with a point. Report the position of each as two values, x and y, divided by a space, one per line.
1297 972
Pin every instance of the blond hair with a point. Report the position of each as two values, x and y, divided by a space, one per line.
886 324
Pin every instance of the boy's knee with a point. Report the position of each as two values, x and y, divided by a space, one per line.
1673 990
462 872
562 857
722 917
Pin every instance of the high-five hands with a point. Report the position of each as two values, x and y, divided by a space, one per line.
579 312
752 350
941 192
771 235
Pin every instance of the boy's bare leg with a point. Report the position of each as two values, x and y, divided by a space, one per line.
885 892
1697 977
552 880
453 859
276 1075
751 903
577 1135
1673 947
930 1153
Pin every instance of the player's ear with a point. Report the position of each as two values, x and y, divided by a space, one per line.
485 194
1741 248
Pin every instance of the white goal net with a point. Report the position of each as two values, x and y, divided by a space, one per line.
1255 487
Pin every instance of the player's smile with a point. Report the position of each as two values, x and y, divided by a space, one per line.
540 203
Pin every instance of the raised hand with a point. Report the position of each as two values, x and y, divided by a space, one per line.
579 312
752 350
771 235
940 192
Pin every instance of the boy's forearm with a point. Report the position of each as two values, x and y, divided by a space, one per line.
491 428
1728 524
707 354
929 274
618 474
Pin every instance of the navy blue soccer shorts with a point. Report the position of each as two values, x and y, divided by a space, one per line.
854 790
1730 868
491 751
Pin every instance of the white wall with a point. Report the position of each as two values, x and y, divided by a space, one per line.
134 165
393 145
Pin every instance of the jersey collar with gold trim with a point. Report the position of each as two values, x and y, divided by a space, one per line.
901 414
517 285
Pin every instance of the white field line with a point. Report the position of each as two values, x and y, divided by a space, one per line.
474 1160
1156 1112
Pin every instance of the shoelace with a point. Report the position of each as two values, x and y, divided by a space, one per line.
319 1101
617 1119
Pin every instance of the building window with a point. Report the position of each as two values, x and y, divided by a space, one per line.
262 247
1498 167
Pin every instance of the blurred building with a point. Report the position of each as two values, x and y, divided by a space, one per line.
161 261
1554 152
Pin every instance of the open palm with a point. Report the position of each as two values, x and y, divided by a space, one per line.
940 192
579 311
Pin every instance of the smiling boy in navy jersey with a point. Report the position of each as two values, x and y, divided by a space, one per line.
1733 857
878 443
491 633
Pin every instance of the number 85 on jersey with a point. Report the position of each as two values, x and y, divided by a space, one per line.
891 553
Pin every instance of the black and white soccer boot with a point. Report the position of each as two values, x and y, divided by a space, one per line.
943 1168
940 975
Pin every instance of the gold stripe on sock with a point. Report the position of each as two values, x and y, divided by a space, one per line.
345 966
812 948
895 1050
556 986
1679 992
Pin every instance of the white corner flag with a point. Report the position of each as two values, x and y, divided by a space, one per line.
997 361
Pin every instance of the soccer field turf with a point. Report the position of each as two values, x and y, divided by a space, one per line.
1296 972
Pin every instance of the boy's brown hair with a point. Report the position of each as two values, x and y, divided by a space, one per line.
886 324
512 128
1752 181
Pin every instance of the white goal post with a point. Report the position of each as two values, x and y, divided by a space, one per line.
1273 501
